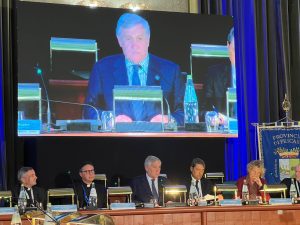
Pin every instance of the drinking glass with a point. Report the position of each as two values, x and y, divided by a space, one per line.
212 121
202 201
108 120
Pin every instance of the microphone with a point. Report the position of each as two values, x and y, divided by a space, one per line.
162 181
39 72
76 103
74 187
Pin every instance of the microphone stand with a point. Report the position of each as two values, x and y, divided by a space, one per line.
75 103
46 213
80 104
74 187
39 72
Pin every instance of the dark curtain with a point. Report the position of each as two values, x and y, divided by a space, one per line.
7 102
2 140
2 133
267 56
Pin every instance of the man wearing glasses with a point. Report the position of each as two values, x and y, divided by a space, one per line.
83 188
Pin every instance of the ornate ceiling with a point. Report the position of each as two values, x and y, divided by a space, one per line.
159 5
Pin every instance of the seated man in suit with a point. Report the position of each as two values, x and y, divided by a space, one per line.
149 186
197 185
296 180
135 67
83 188
219 78
35 195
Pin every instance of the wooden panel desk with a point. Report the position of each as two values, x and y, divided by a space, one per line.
6 219
210 215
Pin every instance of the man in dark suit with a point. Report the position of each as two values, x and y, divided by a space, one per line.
83 188
196 184
219 78
296 180
135 67
34 195
149 186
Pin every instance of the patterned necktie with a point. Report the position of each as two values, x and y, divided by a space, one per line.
137 106
135 75
154 191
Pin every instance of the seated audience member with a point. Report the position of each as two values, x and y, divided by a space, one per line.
34 195
83 188
196 184
288 181
150 185
254 180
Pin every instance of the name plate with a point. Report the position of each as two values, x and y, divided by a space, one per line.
177 204
7 210
64 208
280 201
230 202
139 126
120 206
29 127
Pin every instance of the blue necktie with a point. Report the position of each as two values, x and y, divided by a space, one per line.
137 106
154 191
135 75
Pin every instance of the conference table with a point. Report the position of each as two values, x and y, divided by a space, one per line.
203 215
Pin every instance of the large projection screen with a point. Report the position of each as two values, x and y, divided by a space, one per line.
57 47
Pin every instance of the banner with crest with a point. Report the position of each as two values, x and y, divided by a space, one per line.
279 148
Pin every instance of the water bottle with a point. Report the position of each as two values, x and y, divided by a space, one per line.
93 198
49 215
22 201
190 102
293 192
16 218
245 193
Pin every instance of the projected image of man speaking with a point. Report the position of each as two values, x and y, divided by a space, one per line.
135 67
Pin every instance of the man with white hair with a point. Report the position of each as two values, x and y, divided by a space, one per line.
149 186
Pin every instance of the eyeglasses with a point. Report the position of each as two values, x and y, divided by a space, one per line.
88 171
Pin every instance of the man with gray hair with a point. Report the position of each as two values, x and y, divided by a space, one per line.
34 195
148 187
135 67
